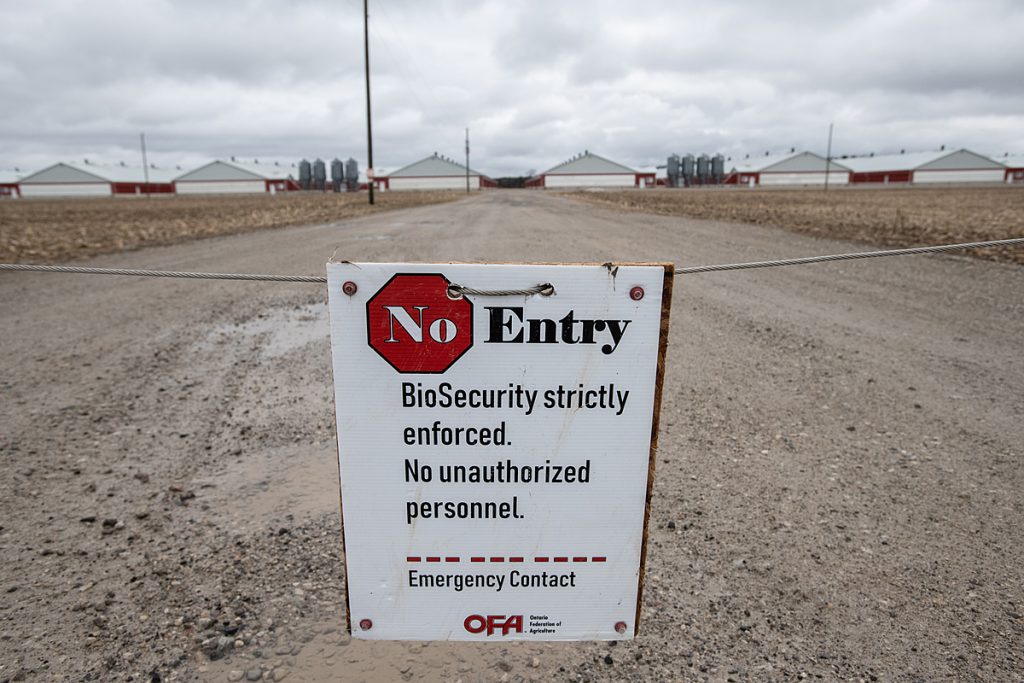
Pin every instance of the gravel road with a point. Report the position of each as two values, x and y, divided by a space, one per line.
838 494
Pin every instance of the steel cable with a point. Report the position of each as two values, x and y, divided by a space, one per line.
457 291
545 289
162 273
847 257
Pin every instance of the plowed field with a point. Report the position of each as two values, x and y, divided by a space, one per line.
66 229
889 217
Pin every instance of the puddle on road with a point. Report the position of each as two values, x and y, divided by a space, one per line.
271 485
284 330
370 238
282 486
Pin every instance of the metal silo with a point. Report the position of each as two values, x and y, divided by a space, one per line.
687 169
319 175
352 175
703 168
672 170
718 167
337 174
305 175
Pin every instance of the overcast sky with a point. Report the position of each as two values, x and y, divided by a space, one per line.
535 81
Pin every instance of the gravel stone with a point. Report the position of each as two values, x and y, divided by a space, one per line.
754 459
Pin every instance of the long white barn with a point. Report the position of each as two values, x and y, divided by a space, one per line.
798 168
231 177
591 170
93 180
433 173
924 168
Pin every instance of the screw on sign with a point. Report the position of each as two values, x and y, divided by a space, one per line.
416 327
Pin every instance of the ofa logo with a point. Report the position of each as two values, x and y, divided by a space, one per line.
476 623
416 327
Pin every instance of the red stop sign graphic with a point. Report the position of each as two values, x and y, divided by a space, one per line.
413 324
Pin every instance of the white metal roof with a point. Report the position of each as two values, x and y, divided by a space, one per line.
434 166
62 173
1011 161
758 164
65 173
792 162
588 163
955 158
270 171
893 162
132 174
10 177
235 170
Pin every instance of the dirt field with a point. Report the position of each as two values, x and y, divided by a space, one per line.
36 231
40 231
889 217
837 495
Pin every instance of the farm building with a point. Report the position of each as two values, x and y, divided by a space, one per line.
9 184
919 168
591 170
433 173
93 180
1014 168
798 168
232 177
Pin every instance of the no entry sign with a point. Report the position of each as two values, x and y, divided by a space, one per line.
496 451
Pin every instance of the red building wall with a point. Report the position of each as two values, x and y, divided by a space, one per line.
882 177
742 179
142 188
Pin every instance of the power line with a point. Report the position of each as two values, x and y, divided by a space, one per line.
828 156
369 119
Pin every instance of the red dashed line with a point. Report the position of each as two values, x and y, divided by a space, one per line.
578 559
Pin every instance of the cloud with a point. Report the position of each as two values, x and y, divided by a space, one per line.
534 81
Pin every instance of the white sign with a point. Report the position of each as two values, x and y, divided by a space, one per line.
496 451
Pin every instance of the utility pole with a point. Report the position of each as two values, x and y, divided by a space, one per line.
467 161
369 123
145 162
828 155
